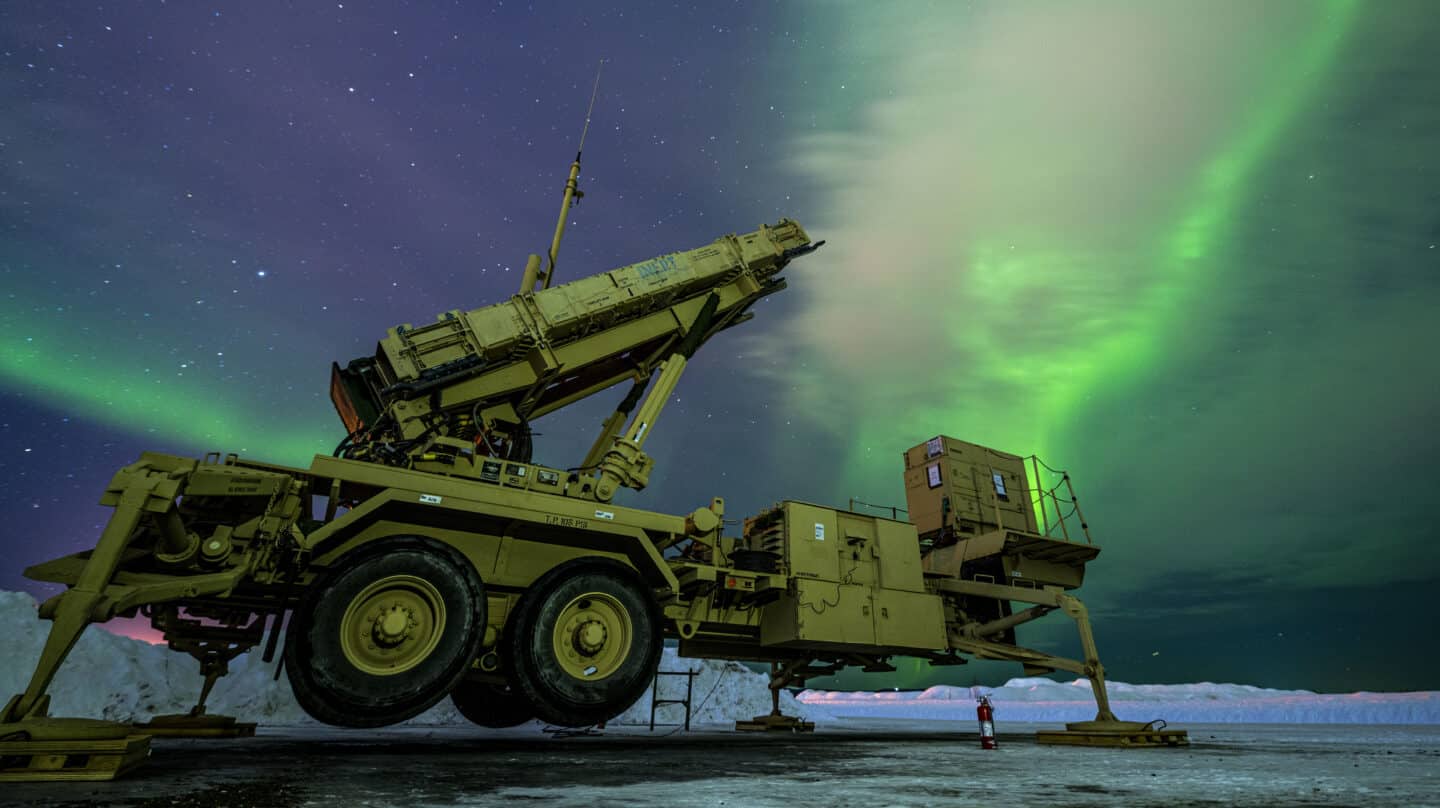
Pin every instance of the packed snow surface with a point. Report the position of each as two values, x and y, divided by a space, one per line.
108 676
122 679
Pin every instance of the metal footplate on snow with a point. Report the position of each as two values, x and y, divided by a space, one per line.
1132 734
775 723
196 726
52 749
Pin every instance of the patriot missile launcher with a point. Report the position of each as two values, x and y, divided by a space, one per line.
431 557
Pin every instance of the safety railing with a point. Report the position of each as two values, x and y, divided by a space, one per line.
1063 520
894 510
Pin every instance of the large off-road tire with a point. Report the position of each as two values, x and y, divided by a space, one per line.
584 642
386 633
494 706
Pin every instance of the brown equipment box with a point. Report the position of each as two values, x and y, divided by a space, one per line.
858 582
967 487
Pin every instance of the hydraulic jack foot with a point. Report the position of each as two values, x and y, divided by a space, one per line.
214 663
775 723
1132 734
196 726
780 676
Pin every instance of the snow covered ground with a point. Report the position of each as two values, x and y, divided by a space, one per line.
847 763
119 678
1038 699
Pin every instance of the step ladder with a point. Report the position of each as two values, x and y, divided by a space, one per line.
656 701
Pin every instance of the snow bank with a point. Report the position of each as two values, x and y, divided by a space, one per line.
723 692
1039 699
107 676
122 679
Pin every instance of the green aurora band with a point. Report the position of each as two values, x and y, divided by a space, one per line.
68 375
1091 351
1082 351
1085 351
1218 196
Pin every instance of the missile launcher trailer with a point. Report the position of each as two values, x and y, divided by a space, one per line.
430 557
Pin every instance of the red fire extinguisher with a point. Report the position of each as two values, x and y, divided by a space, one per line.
986 714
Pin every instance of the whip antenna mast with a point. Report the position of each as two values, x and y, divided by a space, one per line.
573 194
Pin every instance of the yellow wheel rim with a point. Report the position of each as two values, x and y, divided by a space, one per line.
392 625
593 636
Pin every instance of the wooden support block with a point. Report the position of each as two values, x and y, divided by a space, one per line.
1132 739
79 759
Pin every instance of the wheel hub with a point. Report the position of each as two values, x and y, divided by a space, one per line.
392 625
592 636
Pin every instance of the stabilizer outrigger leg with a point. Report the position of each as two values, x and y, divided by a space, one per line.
1105 729
34 746
780 677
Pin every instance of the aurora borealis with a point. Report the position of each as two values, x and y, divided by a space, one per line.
1185 250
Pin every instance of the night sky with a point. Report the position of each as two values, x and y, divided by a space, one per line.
1186 250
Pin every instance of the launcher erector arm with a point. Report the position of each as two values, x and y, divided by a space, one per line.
483 375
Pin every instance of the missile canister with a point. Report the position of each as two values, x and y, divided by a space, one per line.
539 351
583 306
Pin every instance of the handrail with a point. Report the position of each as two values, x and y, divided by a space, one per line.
895 510
1039 493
